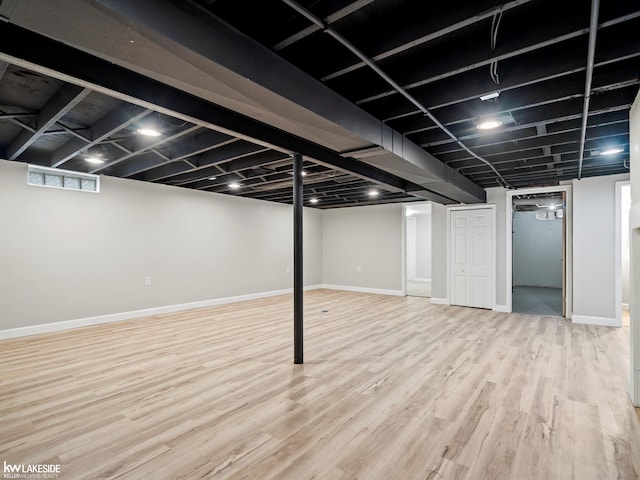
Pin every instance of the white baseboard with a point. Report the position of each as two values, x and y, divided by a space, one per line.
501 308
379 291
117 317
439 301
625 306
603 321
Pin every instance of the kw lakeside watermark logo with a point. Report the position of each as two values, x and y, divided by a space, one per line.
38 470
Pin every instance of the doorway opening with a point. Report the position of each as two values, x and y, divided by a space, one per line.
538 246
418 250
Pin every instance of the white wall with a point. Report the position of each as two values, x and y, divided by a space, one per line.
362 247
624 239
498 197
594 249
423 246
438 253
68 255
537 250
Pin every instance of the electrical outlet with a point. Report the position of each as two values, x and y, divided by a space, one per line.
288 268
359 268
147 281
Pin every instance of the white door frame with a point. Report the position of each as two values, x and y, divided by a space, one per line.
482 206
568 253
618 252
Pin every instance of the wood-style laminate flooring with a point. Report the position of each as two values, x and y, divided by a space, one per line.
392 388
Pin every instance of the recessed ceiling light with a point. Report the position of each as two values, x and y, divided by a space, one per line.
490 96
611 151
373 192
149 132
313 200
234 185
489 124
94 160
212 178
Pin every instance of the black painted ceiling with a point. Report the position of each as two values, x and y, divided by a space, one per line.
445 55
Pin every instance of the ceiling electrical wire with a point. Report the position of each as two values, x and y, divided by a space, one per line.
326 28
493 67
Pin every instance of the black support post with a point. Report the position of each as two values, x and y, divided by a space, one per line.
298 282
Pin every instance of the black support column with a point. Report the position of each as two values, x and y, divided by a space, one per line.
298 282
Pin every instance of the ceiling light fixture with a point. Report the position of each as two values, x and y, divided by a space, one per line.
213 178
373 193
94 160
489 124
149 132
313 200
490 96
234 185
611 151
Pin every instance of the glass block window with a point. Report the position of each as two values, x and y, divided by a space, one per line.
55 178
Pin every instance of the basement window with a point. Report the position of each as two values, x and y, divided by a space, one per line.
68 180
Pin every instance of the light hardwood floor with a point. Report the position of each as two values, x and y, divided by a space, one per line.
392 388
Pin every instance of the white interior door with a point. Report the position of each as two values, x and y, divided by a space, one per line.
411 248
472 276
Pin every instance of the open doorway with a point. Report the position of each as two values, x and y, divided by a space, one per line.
418 250
538 246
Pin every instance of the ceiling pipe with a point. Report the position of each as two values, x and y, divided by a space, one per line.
324 26
593 32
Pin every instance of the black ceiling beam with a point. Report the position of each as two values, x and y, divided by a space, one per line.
516 135
62 101
539 141
259 159
162 172
322 186
242 55
559 111
533 155
113 122
436 27
213 158
542 66
187 148
332 18
39 51
147 147
526 168
476 54
547 122
513 101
